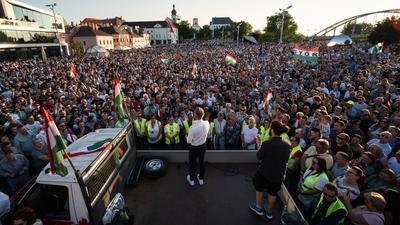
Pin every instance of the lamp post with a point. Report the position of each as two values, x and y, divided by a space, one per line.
51 6
283 21
238 28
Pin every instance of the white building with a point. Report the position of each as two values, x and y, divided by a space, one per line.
27 31
219 22
88 37
159 31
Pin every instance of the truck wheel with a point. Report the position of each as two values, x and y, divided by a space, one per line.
154 167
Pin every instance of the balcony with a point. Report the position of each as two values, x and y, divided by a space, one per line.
18 23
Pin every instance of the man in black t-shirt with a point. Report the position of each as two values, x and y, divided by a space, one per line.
273 155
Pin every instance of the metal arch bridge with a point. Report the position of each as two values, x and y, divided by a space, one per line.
333 27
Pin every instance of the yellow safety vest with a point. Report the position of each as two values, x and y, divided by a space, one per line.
174 131
140 128
291 161
284 136
310 181
264 133
333 207
186 126
121 123
211 130
149 127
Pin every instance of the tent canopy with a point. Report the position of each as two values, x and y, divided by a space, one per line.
250 39
340 40
97 50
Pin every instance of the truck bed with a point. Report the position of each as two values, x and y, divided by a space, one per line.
223 199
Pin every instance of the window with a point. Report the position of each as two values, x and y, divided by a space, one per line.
55 197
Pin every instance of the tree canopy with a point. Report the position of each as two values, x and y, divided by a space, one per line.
354 28
273 28
384 31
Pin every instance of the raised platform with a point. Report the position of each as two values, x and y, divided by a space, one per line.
223 199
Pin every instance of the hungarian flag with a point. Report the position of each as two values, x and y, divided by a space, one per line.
171 28
230 59
118 99
267 98
310 54
95 147
165 61
378 48
72 74
255 82
194 69
55 146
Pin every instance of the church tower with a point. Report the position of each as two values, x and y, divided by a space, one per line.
174 15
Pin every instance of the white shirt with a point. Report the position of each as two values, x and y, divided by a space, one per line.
4 204
219 126
249 135
198 132
395 166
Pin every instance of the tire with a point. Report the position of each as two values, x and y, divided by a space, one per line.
154 167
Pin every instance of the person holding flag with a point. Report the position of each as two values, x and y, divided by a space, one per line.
119 104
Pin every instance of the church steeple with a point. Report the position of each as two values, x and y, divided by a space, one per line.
173 14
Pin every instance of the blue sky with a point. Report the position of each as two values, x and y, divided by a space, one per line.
311 15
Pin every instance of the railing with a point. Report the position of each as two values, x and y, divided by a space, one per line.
9 22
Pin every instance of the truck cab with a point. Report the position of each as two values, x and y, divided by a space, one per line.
66 200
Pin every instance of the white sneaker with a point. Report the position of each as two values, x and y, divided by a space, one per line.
191 182
201 181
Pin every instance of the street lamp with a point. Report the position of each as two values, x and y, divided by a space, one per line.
238 27
51 6
283 21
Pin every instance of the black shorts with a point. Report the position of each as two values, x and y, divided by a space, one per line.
260 184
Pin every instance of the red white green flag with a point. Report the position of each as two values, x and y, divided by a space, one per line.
72 74
310 54
96 147
118 99
55 146
230 59
165 61
267 98
378 48
171 28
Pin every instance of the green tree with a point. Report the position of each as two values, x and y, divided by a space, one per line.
184 29
244 29
204 33
272 31
354 28
384 31
256 34
76 48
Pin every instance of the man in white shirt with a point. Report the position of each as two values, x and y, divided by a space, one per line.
249 135
196 139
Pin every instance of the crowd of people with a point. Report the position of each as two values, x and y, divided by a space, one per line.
342 112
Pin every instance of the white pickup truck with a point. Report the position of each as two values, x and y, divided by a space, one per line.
96 200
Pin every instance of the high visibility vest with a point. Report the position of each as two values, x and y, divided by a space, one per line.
140 128
294 150
121 123
174 131
291 162
310 181
244 123
333 207
149 127
211 131
284 136
264 133
186 126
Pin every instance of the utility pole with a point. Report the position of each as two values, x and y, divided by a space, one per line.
238 27
283 21
51 6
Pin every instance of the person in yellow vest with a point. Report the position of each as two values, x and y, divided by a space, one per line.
121 123
171 133
312 183
186 125
293 166
329 208
140 127
210 135
154 132
264 130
